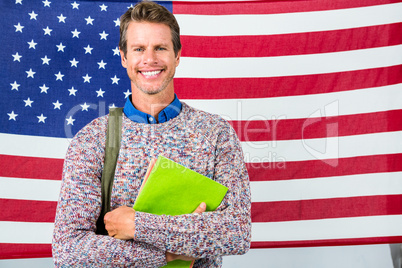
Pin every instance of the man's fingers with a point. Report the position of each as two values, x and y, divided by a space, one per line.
201 208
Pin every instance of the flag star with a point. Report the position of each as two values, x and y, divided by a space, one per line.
60 47
87 78
46 3
43 89
103 35
112 105
89 20
115 80
75 5
74 63
85 106
33 15
116 51
59 76
103 7
130 6
17 57
117 22
102 64
72 91
75 33
70 120
57 105
100 93
30 73
41 118
18 27
62 18
32 44
127 93
88 49
12 116
14 86
47 30
28 102
45 60
18 2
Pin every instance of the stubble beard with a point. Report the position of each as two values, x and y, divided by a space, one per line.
150 90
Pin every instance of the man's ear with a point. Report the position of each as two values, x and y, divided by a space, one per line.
123 58
178 58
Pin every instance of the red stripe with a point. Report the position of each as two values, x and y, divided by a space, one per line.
309 128
265 87
27 210
268 7
326 208
329 242
18 251
290 44
317 168
30 167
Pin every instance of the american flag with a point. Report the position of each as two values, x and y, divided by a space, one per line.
312 88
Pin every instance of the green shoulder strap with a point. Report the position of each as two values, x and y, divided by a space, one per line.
113 137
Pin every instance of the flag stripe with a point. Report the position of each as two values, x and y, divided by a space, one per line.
327 187
21 232
268 7
192 67
265 87
289 44
328 242
325 229
27 210
376 99
18 188
331 148
30 167
288 170
309 128
316 21
326 208
17 251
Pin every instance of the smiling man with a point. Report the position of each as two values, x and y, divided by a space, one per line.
155 122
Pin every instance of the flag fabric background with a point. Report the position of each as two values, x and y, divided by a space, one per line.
312 88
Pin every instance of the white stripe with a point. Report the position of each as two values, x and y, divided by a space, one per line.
256 24
35 146
329 150
191 67
26 232
339 228
368 100
329 187
29 189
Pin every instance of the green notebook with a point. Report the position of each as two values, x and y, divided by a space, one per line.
172 189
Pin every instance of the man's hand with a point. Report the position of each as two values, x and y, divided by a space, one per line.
170 256
120 224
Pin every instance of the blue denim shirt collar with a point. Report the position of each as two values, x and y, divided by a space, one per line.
170 112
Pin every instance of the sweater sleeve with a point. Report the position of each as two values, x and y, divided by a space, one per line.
74 240
226 231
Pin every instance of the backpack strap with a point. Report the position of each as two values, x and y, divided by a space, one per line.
113 138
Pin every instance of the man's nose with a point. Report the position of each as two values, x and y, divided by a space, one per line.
150 56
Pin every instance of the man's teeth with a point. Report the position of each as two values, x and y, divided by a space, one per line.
151 73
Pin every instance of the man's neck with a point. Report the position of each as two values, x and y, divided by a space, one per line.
152 104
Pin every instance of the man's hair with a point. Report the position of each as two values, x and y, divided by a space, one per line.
148 11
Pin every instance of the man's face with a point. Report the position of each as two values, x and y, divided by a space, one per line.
150 58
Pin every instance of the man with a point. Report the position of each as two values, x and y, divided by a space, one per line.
154 123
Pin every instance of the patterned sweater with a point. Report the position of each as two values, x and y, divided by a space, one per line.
201 141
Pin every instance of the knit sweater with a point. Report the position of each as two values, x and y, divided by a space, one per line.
198 140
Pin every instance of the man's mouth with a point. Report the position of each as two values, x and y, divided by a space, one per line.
151 73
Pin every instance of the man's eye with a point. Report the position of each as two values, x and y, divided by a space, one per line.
138 50
160 48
